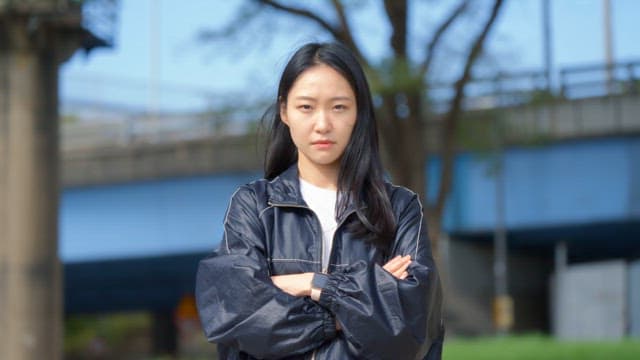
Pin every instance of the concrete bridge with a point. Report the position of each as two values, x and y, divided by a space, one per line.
115 152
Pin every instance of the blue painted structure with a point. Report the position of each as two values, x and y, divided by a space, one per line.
136 246
586 193
142 219
568 183
133 240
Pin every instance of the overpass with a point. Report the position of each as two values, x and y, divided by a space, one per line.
144 198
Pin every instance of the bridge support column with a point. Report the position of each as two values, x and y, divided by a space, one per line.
31 48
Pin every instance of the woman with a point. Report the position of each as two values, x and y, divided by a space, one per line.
322 259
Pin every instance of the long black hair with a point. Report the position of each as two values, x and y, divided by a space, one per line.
361 175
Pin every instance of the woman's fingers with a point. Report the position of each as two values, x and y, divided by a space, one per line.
394 264
391 265
398 266
402 269
401 262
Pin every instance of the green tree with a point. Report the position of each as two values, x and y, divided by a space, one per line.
401 82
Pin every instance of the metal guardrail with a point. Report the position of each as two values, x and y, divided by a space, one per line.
502 89
147 129
576 82
600 80
543 109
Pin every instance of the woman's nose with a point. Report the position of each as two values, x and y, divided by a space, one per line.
323 122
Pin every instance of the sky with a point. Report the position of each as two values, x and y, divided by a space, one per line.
157 61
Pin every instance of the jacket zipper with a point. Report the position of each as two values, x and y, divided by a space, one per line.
313 354
323 269
344 218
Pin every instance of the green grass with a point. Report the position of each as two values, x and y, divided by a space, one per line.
113 333
539 347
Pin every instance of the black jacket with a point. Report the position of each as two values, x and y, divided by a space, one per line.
269 230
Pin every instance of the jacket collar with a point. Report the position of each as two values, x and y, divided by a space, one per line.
285 190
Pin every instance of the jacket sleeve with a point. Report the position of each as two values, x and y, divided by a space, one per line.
383 317
237 302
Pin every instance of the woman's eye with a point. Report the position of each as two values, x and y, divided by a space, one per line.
304 107
340 107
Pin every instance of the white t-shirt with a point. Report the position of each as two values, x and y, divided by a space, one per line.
323 203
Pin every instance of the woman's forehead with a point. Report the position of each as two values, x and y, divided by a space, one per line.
321 80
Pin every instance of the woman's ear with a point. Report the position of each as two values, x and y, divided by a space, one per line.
283 113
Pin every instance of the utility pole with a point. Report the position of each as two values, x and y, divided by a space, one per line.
547 46
608 42
155 59
35 37
502 301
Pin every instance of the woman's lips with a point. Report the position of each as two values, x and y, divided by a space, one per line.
322 144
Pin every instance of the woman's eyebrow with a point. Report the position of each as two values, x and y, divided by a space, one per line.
335 98
343 98
302 97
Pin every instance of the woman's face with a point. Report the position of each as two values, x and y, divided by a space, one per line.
320 111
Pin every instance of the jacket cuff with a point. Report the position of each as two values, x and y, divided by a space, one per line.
319 280
318 283
328 293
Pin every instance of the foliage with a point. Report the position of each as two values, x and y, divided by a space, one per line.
543 97
539 347
87 335
485 131
477 131
69 119
399 79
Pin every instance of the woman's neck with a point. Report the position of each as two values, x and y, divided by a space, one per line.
325 177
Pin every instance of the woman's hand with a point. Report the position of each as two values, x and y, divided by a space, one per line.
294 284
398 266
300 284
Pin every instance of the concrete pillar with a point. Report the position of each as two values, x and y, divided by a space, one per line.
30 270
560 257
4 144
561 264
